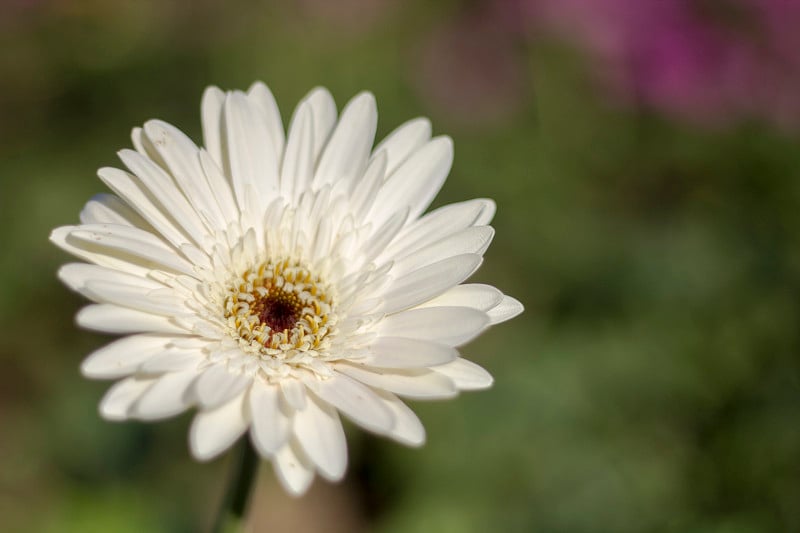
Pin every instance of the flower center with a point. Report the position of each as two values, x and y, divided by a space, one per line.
279 310
279 307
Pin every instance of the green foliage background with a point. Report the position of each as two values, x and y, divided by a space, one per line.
653 383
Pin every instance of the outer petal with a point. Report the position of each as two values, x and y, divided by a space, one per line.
345 155
407 428
114 319
173 360
163 301
214 431
158 192
252 160
429 281
474 240
123 356
260 94
448 325
62 238
421 384
297 169
108 209
293 394
355 400
77 276
466 375
399 352
319 433
168 396
403 141
211 111
270 425
294 469
323 110
416 182
180 158
437 225
474 295
507 309
117 402
122 241
217 385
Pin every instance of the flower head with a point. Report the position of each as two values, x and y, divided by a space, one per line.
277 280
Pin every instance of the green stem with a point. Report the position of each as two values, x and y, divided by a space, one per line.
231 514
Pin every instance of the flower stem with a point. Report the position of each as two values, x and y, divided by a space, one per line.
231 514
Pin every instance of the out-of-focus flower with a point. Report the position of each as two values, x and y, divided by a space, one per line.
275 280
702 59
471 69
354 16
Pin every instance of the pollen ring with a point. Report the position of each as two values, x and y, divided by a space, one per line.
279 307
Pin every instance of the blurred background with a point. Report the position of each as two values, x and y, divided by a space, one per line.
644 158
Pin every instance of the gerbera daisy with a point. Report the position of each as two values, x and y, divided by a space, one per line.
276 281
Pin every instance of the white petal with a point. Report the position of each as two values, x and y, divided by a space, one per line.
160 193
355 400
220 188
125 242
110 318
61 237
407 428
429 281
173 360
345 155
412 383
324 111
293 394
319 433
138 143
131 189
218 385
123 356
297 170
181 158
466 375
364 195
106 208
168 396
160 302
293 469
474 240
436 225
384 234
399 352
252 160
505 310
321 244
270 426
77 275
453 326
116 403
214 431
474 295
404 140
416 182
260 94
211 111
487 214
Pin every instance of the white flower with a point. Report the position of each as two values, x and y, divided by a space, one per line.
275 281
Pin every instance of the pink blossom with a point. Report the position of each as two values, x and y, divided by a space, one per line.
702 59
